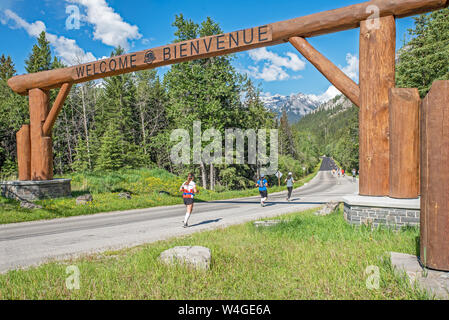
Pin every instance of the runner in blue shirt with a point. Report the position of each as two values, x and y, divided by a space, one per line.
262 183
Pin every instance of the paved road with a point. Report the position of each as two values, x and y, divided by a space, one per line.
32 243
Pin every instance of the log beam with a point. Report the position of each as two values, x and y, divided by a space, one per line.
56 109
404 143
345 18
435 177
377 77
332 73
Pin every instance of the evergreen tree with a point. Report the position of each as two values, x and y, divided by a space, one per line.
151 102
117 104
286 144
40 58
7 69
81 163
13 114
111 155
425 57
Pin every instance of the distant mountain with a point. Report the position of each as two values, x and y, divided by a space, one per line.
338 101
296 106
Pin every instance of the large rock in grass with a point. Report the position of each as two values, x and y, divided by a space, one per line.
125 195
30 205
328 209
266 223
196 257
85 199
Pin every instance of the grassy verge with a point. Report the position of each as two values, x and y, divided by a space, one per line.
305 257
144 185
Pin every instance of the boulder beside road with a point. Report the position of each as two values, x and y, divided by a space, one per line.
266 223
196 257
328 209
85 199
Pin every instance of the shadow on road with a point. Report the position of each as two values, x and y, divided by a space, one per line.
206 222
267 203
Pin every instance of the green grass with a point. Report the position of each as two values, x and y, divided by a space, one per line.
144 185
306 257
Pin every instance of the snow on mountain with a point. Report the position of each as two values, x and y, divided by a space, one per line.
339 100
296 105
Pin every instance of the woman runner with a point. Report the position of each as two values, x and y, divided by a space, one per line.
188 189
262 183
290 181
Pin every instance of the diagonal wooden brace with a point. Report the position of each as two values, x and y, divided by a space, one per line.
332 73
56 109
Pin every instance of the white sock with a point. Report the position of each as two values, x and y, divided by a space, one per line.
186 219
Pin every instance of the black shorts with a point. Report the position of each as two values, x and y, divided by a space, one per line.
188 201
264 194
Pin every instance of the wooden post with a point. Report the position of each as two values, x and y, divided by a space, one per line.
404 143
47 160
377 76
24 153
40 152
435 177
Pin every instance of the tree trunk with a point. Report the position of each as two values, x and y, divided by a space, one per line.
142 124
212 177
69 146
203 174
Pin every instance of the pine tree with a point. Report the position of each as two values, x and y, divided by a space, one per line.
81 163
425 57
117 104
13 114
111 154
40 58
7 69
287 146
151 102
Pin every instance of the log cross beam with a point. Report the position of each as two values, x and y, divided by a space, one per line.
332 73
56 109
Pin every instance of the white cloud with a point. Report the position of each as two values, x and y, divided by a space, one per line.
330 93
351 70
109 26
292 60
352 67
268 73
33 29
67 49
275 66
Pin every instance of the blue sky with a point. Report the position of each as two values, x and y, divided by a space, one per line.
142 24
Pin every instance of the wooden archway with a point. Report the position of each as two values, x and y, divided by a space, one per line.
383 171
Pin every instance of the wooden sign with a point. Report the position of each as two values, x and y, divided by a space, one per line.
272 34
174 53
